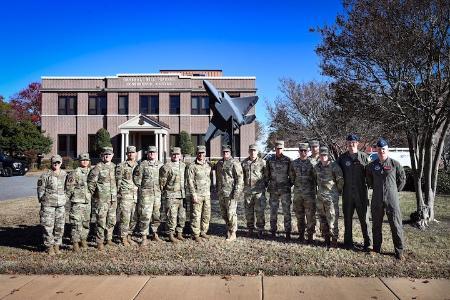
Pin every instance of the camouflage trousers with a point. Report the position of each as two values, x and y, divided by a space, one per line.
79 218
228 209
128 214
201 215
176 214
304 206
149 207
52 221
106 219
285 198
255 203
328 209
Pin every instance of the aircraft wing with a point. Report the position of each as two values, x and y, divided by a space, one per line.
212 131
244 104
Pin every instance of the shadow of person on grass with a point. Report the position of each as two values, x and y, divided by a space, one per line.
28 237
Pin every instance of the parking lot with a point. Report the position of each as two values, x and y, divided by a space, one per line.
18 186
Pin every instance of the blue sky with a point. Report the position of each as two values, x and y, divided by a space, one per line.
266 39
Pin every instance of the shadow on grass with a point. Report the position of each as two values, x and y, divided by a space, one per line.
28 237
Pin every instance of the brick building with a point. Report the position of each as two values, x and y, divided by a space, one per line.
138 109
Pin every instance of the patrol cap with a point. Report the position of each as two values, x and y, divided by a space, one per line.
131 149
56 158
175 150
252 147
314 143
151 149
84 156
108 150
201 149
323 151
352 137
303 146
279 144
382 143
226 148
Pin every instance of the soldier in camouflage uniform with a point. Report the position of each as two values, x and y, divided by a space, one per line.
80 199
198 183
254 169
127 194
302 175
314 158
102 183
279 187
330 182
146 178
171 181
353 164
52 197
387 178
230 183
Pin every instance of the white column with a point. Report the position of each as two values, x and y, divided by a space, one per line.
122 144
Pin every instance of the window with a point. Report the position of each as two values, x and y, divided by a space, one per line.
174 107
174 140
91 145
149 104
236 142
200 105
67 145
123 105
67 105
97 105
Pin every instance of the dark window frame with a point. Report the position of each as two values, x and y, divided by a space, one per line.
123 111
101 105
66 109
174 104
70 145
152 104
201 108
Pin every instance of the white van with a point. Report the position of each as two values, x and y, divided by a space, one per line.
292 153
399 154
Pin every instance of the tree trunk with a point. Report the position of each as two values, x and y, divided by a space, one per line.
428 172
416 168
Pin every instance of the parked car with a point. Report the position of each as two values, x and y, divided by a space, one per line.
10 166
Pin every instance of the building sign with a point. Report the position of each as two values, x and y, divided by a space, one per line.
148 82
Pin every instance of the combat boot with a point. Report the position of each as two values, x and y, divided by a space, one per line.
334 243
84 244
232 237
260 234
76 247
100 246
310 239
301 237
197 239
204 235
51 251
125 241
109 243
172 238
57 249
180 236
156 238
288 236
144 241
327 241
399 256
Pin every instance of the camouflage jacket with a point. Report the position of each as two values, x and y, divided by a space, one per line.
124 178
76 186
198 179
230 178
314 160
51 188
329 178
278 174
146 177
171 179
302 175
102 182
254 175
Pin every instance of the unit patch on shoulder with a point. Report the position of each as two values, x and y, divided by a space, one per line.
39 183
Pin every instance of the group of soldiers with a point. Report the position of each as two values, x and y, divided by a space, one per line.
141 193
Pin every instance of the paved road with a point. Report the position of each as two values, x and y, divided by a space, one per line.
18 186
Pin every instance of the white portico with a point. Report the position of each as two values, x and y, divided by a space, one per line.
143 131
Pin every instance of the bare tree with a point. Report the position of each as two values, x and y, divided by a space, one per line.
395 55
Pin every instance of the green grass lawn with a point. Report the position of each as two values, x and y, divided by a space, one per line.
427 252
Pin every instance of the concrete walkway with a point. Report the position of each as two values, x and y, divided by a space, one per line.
214 287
